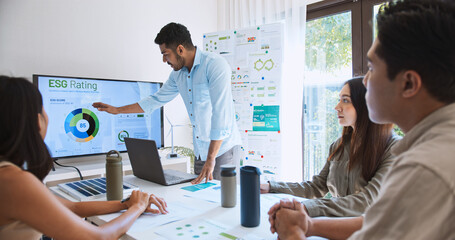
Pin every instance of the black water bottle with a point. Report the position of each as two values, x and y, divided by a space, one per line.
250 205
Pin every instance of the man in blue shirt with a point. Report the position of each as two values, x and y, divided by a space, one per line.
203 81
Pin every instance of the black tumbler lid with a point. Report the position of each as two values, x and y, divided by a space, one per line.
250 170
227 170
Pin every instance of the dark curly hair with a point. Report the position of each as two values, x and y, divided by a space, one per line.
419 35
174 34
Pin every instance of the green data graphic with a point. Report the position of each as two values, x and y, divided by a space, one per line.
267 65
266 118
122 135
202 229
81 125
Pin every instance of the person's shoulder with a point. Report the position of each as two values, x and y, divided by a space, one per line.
211 58
435 155
12 174
430 173
335 144
209 55
13 178
9 172
393 140
433 146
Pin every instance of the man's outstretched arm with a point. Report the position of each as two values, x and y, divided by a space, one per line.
132 108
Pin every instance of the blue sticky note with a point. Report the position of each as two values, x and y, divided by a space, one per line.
198 187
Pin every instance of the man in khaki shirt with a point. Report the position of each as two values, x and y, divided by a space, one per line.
410 82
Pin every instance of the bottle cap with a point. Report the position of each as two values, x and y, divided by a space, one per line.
250 170
227 170
110 156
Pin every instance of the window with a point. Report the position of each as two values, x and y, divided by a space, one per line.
338 36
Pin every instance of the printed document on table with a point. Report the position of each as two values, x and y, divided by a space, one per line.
211 194
199 229
177 211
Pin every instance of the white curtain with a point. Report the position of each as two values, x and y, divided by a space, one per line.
235 14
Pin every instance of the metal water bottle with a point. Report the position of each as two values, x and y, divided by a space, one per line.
228 186
250 205
114 176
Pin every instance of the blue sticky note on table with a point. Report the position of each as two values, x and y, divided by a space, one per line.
198 187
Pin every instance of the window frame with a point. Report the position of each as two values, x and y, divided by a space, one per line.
367 27
361 31
361 25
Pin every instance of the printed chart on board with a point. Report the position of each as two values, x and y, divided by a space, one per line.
255 55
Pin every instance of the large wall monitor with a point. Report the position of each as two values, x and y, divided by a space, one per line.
78 129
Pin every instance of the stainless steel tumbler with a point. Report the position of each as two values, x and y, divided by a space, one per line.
228 186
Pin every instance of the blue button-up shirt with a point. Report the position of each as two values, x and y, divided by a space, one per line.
206 92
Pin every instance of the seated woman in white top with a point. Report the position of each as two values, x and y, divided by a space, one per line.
357 162
28 209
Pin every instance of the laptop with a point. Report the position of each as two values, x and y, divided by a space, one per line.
92 189
146 163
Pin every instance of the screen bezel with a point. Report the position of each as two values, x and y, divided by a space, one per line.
35 82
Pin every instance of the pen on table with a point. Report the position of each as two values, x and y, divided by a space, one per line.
124 200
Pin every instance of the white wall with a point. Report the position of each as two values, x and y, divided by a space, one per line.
102 38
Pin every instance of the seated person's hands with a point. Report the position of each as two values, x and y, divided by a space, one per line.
284 203
138 199
159 202
293 222
145 201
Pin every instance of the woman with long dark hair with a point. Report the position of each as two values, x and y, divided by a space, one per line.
27 207
357 163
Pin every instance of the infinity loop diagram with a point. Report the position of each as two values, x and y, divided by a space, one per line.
268 64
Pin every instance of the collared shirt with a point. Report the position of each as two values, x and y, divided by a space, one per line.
206 92
351 193
417 199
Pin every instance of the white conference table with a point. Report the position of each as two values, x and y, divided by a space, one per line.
203 214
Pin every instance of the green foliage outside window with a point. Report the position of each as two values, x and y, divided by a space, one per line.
328 49
328 64
398 131
333 35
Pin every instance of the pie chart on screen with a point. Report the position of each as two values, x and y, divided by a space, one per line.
81 125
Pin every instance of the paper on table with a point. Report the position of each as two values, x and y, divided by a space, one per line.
255 237
177 211
268 200
200 229
197 187
242 233
211 194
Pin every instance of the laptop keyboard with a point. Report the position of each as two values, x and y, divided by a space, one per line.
172 178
